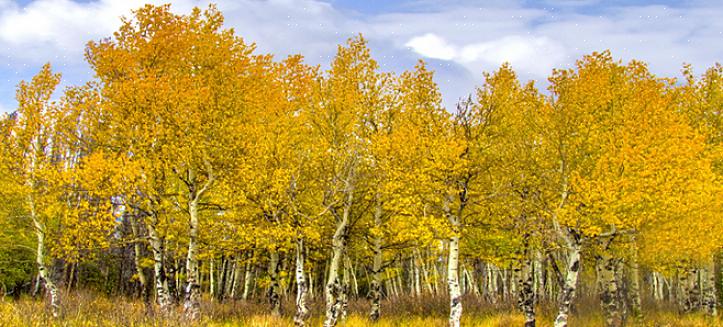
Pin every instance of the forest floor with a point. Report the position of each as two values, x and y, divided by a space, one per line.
85 309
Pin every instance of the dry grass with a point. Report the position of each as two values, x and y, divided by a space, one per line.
83 309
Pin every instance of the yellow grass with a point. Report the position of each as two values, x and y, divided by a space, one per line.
90 311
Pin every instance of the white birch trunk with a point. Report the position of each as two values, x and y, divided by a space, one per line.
302 308
211 279
334 288
159 272
375 291
635 302
275 287
606 270
526 294
658 287
43 273
425 273
455 296
137 244
248 278
192 306
237 271
344 296
570 286
710 299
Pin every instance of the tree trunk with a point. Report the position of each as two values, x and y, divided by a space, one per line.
508 284
352 273
455 296
425 273
570 283
334 288
43 273
344 296
311 284
237 271
417 275
159 271
274 288
389 282
609 290
526 294
710 298
230 278
539 270
635 304
375 289
689 297
70 276
436 277
174 281
492 282
302 309
248 277
223 280
658 287
192 306
211 279
470 281
137 255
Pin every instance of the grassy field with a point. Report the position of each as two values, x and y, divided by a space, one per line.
89 310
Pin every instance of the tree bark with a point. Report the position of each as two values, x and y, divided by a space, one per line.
344 296
159 272
230 276
455 296
137 255
609 289
425 273
710 299
375 289
237 271
248 277
635 303
689 297
192 306
491 287
334 288
311 284
658 287
43 273
417 283
569 286
275 287
302 308
540 272
211 278
526 294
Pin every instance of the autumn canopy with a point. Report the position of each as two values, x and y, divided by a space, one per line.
226 171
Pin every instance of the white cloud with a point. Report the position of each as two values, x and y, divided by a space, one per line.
534 55
432 46
460 40
47 30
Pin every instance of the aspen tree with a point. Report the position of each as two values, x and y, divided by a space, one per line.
518 172
193 81
398 216
29 140
628 163
352 86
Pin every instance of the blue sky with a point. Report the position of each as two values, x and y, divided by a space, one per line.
459 39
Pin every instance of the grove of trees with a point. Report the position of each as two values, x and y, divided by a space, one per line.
192 165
